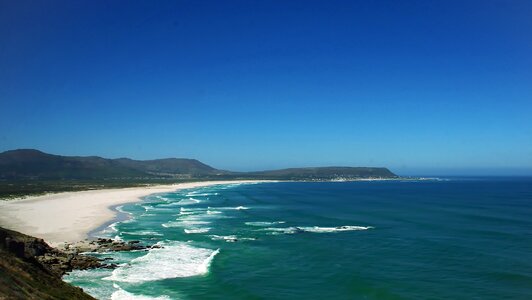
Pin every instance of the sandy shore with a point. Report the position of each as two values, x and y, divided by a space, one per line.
69 217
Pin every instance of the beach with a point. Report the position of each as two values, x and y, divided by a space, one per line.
71 216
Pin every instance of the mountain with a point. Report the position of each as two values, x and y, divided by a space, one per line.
33 164
325 173
169 166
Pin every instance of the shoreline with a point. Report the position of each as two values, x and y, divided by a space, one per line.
74 216
118 217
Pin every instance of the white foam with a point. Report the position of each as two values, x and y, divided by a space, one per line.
314 229
153 208
230 208
161 198
196 230
121 209
109 230
100 291
143 232
261 224
169 205
228 186
184 223
195 210
227 238
317 229
287 230
189 211
199 214
86 274
188 201
121 294
192 194
175 259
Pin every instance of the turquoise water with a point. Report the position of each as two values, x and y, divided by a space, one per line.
468 238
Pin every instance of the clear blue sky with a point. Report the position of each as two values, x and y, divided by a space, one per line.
421 87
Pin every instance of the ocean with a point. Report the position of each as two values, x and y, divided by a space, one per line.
455 238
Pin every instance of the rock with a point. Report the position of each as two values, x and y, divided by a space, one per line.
31 269
110 266
68 256
83 262
54 260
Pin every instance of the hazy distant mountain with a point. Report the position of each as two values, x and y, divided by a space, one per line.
34 164
326 173
29 163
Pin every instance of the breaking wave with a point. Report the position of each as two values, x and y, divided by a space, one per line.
262 224
121 294
314 229
174 259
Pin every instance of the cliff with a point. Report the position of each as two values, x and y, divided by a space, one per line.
31 269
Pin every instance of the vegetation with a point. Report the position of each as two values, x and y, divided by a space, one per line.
32 172
10 189
23 277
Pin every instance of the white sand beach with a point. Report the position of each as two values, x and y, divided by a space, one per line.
70 216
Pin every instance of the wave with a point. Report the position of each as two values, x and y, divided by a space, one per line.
120 208
156 208
200 214
184 223
185 213
192 194
110 230
261 224
98 291
196 230
190 211
188 201
173 260
230 238
230 208
142 232
314 229
318 229
121 294
160 197
227 238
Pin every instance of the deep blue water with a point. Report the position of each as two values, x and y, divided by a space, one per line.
465 238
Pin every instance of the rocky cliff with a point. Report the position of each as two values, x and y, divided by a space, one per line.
31 269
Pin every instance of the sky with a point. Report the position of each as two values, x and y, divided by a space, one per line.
420 87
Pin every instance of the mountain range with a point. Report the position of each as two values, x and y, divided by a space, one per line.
23 164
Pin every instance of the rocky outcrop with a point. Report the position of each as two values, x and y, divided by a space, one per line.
37 250
102 245
31 269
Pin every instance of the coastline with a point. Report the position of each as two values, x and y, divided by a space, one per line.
75 216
